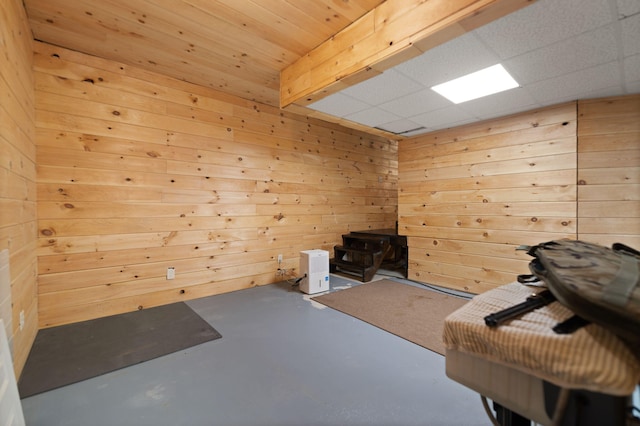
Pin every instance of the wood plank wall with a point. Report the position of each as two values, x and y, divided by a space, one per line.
469 196
138 172
609 170
18 227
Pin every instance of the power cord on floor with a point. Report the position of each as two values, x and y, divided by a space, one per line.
434 288
297 282
449 293
429 286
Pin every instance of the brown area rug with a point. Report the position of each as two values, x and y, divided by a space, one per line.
413 313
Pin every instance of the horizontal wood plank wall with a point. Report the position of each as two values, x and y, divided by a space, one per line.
138 172
469 196
609 170
18 227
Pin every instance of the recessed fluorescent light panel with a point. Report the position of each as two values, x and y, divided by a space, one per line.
481 83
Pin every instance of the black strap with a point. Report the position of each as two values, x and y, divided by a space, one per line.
527 279
570 325
619 247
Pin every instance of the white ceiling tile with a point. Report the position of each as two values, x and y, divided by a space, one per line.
382 88
631 35
372 117
558 50
575 85
580 52
458 57
500 104
632 68
416 103
628 7
632 87
543 23
604 92
339 105
418 132
445 117
400 126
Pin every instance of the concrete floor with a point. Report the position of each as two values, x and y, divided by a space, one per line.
282 360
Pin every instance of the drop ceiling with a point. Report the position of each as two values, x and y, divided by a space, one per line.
557 50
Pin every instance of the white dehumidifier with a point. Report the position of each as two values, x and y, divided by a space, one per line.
314 267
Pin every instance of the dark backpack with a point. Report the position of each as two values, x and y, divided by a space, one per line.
599 284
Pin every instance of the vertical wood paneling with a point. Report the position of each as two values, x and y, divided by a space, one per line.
138 172
609 170
18 232
469 196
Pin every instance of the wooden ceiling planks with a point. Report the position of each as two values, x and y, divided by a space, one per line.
235 46
158 45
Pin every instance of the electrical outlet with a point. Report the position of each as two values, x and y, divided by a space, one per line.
21 319
280 272
171 273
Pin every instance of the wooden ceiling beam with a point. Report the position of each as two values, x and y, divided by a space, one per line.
393 32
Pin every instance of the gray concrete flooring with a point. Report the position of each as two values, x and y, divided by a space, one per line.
282 360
